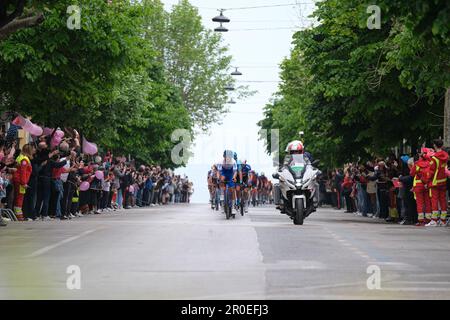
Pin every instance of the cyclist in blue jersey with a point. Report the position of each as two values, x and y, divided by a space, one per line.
227 171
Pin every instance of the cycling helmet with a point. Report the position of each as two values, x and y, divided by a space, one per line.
228 154
294 147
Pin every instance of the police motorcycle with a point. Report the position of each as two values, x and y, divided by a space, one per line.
297 192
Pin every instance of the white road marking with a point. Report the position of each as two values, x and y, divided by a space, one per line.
60 243
417 289
347 244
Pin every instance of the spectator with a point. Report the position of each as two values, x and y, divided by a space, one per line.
21 178
408 197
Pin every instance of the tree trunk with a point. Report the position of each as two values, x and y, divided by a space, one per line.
447 118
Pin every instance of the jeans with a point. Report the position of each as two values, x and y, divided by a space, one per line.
363 200
145 197
139 198
119 198
59 191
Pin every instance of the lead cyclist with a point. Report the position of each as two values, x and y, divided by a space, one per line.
227 172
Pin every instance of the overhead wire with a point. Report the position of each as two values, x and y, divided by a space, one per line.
259 7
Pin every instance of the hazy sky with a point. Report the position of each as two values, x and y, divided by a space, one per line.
258 54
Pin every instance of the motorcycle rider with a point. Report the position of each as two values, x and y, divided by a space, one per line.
295 147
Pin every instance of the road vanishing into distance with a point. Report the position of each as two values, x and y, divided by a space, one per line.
193 252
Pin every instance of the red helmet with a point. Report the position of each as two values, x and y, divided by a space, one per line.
294 147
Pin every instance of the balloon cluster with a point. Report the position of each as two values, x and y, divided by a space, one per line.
28 126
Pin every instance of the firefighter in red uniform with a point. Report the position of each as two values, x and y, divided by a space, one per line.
420 172
21 178
437 184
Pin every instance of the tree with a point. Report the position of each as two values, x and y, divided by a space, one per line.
339 87
196 61
60 76
16 15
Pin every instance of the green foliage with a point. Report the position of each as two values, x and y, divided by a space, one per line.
127 79
358 92
197 63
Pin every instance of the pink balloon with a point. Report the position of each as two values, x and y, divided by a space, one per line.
48 131
55 141
59 133
34 130
27 125
99 174
19 121
84 186
89 147
131 189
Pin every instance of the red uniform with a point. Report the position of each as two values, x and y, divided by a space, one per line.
20 180
438 185
421 174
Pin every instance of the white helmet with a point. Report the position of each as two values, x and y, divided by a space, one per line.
295 146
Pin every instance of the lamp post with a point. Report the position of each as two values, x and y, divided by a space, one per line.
221 18
229 87
221 28
236 72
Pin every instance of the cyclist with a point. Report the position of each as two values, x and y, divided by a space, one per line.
237 183
243 174
227 171
252 184
262 185
212 185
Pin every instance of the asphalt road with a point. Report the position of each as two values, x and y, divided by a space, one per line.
192 252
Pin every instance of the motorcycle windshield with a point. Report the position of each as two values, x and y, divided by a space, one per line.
297 165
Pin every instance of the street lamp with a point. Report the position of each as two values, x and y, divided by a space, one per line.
232 101
221 18
229 87
221 28
236 72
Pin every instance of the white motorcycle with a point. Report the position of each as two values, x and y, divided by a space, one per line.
298 188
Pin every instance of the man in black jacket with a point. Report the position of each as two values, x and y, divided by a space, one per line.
408 197
338 179
45 179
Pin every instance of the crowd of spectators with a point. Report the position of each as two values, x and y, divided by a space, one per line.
382 188
46 181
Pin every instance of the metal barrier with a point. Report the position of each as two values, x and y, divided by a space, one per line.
9 214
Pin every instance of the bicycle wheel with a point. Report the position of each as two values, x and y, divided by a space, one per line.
227 204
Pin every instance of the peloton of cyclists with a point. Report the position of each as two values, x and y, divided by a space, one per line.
239 176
